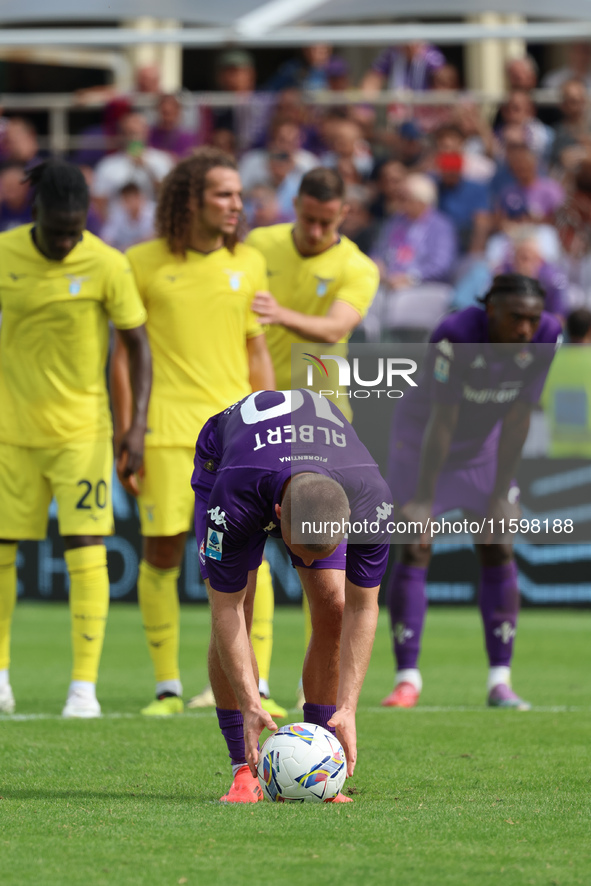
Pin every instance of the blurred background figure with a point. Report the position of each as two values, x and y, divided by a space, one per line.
358 225
416 253
167 134
20 143
410 66
307 71
572 141
130 219
530 196
261 207
466 203
134 162
235 72
578 67
15 197
519 110
390 179
350 154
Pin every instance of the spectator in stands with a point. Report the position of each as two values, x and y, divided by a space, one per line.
248 120
578 67
527 259
573 222
466 203
20 144
431 117
15 197
532 197
519 110
350 154
358 224
280 166
390 182
416 253
573 134
450 139
134 162
167 134
478 135
521 73
410 66
261 207
338 74
98 141
411 148
130 219
308 71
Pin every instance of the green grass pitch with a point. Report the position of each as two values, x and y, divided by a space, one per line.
448 793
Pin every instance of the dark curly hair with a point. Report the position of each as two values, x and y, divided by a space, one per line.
184 183
59 185
513 284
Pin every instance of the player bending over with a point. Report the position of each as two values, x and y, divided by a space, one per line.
59 287
264 467
456 443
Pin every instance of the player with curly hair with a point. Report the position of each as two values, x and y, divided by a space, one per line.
197 283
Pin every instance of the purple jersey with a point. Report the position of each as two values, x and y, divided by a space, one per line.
244 457
464 367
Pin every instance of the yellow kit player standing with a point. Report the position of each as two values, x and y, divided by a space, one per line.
59 287
197 283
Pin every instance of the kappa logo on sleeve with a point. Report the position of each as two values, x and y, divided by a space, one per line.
213 546
218 516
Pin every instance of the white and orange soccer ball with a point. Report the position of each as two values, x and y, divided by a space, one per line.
301 763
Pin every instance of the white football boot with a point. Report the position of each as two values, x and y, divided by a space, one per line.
6 699
81 704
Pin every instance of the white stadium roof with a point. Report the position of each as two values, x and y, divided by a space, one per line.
287 22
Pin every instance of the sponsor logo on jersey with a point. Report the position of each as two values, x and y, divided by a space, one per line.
234 278
218 517
213 545
269 527
524 359
75 283
490 395
322 284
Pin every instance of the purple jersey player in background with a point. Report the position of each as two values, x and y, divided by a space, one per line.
456 443
263 466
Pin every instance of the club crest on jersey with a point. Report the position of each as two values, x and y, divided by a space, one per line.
75 283
234 278
441 370
213 546
322 284
523 359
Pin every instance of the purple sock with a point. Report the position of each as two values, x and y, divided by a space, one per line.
232 726
499 605
407 601
319 714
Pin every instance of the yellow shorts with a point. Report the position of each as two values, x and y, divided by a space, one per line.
166 500
78 476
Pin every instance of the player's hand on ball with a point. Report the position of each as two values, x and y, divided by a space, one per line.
254 723
343 722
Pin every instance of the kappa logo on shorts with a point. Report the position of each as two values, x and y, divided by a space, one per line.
213 547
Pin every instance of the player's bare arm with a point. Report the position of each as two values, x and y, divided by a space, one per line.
120 389
340 320
130 456
230 635
260 366
360 618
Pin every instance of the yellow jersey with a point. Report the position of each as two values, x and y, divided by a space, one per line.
311 285
54 338
199 319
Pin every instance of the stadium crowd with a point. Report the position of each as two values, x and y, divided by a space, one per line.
442 197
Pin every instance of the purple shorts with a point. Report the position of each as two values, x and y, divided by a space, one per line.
466 488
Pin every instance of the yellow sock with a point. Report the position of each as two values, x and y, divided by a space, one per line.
261 634
159 604
307 620
7 600
89 605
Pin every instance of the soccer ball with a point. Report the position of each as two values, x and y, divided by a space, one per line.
301 763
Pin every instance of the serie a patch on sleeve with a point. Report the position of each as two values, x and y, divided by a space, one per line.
213 546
